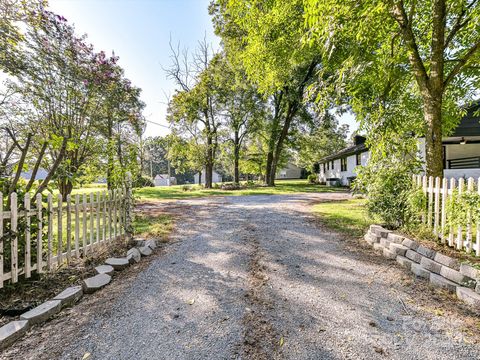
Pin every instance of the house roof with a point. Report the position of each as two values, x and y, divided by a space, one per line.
469 124
357 147
351 150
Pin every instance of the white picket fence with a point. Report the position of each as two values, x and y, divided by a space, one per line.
438 190
54 232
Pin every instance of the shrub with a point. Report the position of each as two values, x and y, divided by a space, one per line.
388 185
312 179
143 181
461 207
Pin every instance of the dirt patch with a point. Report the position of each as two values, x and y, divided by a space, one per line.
17 298
260 338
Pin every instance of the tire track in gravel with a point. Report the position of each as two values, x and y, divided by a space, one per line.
259 336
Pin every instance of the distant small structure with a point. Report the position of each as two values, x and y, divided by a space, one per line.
290 171
216 177
164 180
41 174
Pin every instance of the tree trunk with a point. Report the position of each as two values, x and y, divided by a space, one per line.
209 163
236 155
433 136
199 178
65 188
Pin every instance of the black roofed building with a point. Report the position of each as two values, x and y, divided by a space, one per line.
461 154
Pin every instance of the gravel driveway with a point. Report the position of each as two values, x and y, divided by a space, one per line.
256 277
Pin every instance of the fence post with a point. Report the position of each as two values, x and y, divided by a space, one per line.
477 250
425 191
84 224
77 226
461 182
69 229
128 207
436 221
430 202
450 230
50 231
14 244
469 240
444 203
39 234
60 230
28 253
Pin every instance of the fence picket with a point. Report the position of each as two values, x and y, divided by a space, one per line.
84 224
444 209
425 191
50 232
59 230
468 242
77 226
451 230
14 241
91 220
430 202
110 215
477 248
28 255
461 182
114 200
98 217
69 229
39 234
436 221
1 241
104 213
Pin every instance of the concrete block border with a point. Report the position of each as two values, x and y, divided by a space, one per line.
440 270
14 330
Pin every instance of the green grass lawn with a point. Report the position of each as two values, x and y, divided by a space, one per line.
282 187
347 216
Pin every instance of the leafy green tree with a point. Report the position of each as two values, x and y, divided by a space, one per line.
378 51
265 38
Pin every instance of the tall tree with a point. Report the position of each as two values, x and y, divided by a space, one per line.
265 37
434 44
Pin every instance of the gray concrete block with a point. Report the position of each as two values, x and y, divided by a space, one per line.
398 249
469 271
95 283
410 244
457 277
389 254
413 255
440 281
477 287
42 312
447 261
117 263
152 244
430 265
395 238
424 251
70 295
404 262
419 271
469 296
105 269
133 255
12 331
145 251
381 232
385 242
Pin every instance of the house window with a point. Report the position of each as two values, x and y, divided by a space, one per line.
333 161
358 158
343 164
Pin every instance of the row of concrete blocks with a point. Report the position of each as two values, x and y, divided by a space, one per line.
15 329
441 270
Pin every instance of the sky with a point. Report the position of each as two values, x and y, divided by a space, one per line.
139 31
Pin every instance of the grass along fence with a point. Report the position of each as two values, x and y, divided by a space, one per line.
42 234
461 228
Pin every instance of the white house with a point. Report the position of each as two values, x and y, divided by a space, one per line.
290 171
216 177
340 167
461 154
164 180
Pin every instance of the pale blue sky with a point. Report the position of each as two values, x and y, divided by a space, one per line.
139 32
